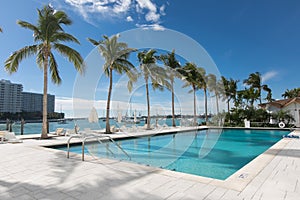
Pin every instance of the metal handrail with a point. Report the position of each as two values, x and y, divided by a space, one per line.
85 137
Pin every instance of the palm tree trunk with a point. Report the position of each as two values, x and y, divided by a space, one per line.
205 105
228 102
195 117
148 103
217 103
173 106
45 111
107 129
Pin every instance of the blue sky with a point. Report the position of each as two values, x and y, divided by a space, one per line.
240 36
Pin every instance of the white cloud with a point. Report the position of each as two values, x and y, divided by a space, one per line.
162 10
152 14
156 27
147 11
129 19
269 75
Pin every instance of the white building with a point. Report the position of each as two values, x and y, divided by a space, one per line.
33 102
291 105
10 97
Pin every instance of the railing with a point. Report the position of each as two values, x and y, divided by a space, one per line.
86 137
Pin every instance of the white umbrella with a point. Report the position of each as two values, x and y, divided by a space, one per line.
93 117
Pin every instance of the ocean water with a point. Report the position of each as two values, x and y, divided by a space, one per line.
36 128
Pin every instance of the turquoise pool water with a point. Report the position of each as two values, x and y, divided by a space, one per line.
210 153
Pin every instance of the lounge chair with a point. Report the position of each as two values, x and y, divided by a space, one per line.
70 132
2 136
60 131
10 137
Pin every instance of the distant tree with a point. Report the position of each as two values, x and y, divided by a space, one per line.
203 84
116 59
191 76
157 75
254 81
269 95
250 95
283 115
173 65
230 90
214 87
291 93
48 35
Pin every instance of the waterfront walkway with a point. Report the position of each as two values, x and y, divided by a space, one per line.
29 171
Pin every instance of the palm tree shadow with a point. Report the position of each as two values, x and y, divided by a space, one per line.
74 179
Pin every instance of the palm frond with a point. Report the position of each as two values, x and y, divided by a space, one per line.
54 70
64 37
94 42
29 26
62 18
40 57
12 63
72 55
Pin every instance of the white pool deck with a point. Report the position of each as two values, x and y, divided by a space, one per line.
30 171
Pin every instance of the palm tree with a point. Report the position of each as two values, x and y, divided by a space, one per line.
284 115
225 93
291 93
150 70
214 87
172 65
116 59
191 76
202 84
48 36
233 90
250 95
254 81
230 90
269 95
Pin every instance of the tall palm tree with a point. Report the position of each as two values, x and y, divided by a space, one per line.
150 70
203 84
230 90
172 65
116 59
191 76
269 95
233 90
48 36
250 95
254 81
225 93
214 87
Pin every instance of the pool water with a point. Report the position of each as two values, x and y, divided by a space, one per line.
213 153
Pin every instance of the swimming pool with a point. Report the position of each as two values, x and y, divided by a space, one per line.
213 153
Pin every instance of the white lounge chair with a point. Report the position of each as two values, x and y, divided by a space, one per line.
75 131
60 131
10 137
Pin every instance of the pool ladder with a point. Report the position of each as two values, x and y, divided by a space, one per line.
85 137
